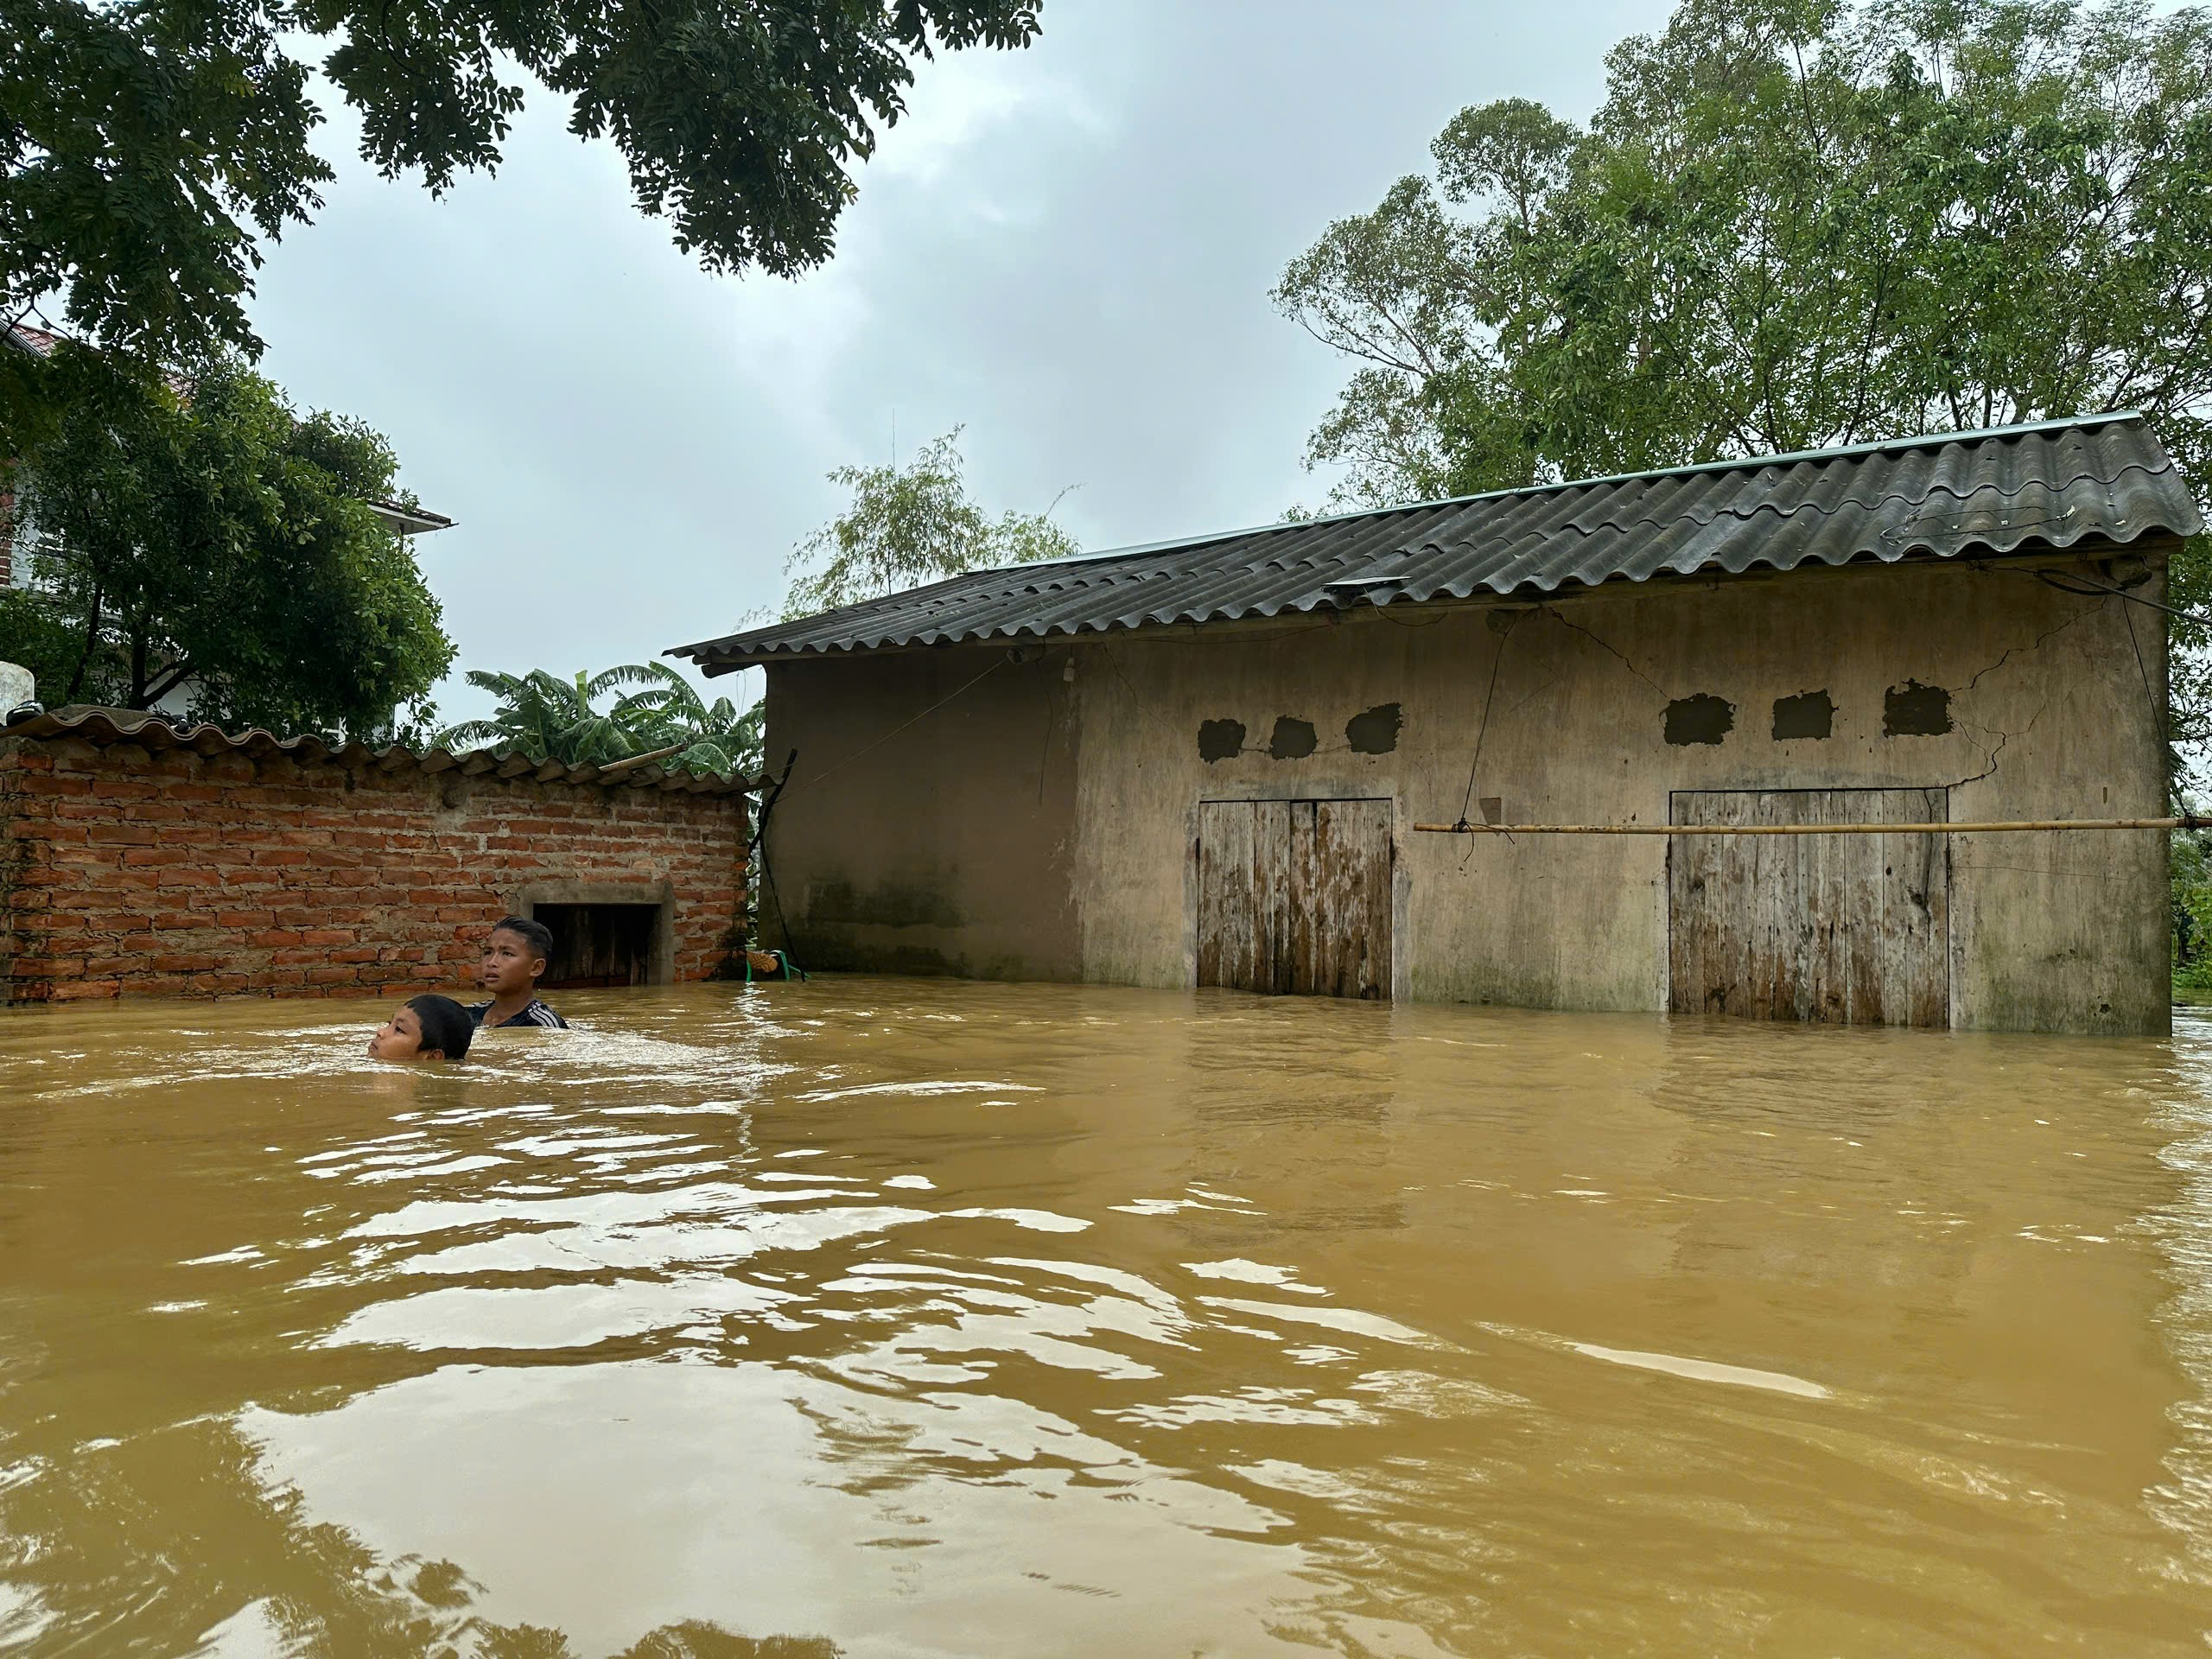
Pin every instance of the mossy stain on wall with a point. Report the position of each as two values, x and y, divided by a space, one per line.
886 904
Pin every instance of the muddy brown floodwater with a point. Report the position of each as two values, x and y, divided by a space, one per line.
898 1317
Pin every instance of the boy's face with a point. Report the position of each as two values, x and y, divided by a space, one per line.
400 1038
509 967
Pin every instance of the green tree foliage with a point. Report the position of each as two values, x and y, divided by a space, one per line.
1793 224
668 710
541 717
35 636
205 538
909 524
149 147
2191 918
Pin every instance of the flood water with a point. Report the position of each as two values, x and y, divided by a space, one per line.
904 1317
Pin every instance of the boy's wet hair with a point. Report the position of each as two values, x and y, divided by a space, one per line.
446 1025
536 935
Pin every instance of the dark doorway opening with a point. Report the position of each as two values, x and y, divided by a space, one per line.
600 945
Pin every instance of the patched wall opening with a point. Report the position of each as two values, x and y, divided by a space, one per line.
1292 739
1375 732
1700 718
1809 714
1915 710
595 946
1220 740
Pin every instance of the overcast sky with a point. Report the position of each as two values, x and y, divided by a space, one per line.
1066 249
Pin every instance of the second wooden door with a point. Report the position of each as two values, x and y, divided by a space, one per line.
1844 929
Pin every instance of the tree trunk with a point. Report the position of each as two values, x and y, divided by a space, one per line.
84 656
167 681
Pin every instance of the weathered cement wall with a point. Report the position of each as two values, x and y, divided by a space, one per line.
1039 825
944 845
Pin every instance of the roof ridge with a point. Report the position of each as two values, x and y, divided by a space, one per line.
2104 474
1840 452
1872 501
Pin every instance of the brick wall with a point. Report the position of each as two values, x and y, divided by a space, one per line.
126 870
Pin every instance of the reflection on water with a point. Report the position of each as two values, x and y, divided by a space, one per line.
883 1318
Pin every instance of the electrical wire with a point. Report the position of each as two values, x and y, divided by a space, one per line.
767 875
996 663
1482 729
2082 588
2150 697
760 829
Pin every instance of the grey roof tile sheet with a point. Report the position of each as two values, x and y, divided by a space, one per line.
2052 483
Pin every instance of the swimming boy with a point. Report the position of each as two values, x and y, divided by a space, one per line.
424 1028
515 955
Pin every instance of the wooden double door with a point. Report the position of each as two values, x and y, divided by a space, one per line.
1847 929
1295 897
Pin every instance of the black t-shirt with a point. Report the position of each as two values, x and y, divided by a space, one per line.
535 1014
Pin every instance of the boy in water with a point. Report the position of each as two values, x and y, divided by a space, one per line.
424 1028
515 955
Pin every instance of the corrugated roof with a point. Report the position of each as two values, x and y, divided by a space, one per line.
104 727
2053 483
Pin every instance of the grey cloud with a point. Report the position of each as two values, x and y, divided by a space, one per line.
1068 250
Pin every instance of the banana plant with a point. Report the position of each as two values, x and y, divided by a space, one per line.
543 717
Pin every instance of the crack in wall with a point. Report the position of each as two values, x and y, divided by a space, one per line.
1991 755
1552 612
1975 679
2035 644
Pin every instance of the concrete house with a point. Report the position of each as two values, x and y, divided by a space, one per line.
21 539
19 535
1202 762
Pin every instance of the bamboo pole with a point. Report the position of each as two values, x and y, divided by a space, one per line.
629 760
2004 828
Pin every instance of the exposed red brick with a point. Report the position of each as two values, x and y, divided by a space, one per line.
123 871
71 990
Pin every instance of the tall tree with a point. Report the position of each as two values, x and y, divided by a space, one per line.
149 147
1793 224
909 524
203 538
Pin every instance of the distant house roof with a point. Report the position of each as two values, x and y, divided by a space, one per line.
2053 483
39 342
409 521
104 728
403 519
